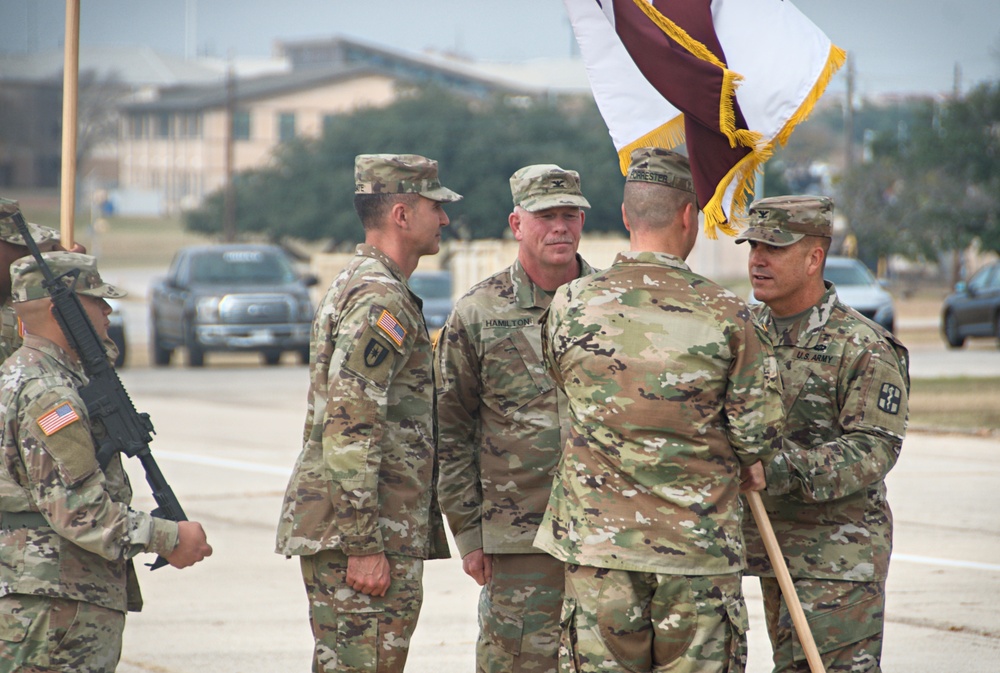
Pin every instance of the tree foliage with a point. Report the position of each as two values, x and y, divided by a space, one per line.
307 190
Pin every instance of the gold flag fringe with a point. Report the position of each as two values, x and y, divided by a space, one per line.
834 61
678 34
669 136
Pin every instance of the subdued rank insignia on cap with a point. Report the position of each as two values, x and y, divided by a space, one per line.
375 353
57 419
387 323
889 398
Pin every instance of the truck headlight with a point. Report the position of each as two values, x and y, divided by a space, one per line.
208 309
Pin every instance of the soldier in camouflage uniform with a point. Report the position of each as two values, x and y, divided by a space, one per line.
67 533
671 397
845 394
499 418
361 509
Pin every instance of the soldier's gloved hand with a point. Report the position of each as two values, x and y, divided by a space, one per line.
752 477
192 545
478 566
369 574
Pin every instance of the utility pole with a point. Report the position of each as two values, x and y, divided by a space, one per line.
229 195
956 255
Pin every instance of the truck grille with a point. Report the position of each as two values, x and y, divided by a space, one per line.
257 308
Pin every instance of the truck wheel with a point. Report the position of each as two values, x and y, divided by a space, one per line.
271 358
196 357
303 355
161 355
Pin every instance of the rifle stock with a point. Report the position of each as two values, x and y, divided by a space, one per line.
108 404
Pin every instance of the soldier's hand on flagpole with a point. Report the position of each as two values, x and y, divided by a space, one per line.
752 477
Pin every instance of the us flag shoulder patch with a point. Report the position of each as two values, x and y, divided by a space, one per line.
387 323
58 418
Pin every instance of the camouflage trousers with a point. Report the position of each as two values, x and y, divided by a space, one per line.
846 619
354 631
56 635
519 615
615 620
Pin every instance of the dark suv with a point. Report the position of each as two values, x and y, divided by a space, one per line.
230 298
973 309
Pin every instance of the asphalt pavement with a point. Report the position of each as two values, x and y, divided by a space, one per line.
228 435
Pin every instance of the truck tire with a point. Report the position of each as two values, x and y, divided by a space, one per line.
160 353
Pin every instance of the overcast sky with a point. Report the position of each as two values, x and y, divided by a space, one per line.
897 45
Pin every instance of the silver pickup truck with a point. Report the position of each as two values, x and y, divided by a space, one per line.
234 297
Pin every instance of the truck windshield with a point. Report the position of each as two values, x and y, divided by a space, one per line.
241 267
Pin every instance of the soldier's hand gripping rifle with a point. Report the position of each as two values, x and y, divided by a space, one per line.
126 430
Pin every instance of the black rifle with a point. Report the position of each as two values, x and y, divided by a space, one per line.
126 430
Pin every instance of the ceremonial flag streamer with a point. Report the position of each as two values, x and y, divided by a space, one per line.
730 78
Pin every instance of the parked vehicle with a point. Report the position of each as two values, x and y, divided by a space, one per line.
434 288
858 288
116 332
973 309
234 297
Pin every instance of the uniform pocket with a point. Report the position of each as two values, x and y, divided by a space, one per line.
501 627
520 376
842 626
739 624
13 628
357 641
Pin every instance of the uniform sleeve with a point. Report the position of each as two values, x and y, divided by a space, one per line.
753 408
457 365
873 415
371 345
551 345
71 490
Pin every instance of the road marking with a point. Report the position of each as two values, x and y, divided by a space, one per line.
284 472
223 462
927 560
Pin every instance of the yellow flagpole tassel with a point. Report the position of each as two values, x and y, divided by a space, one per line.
668 136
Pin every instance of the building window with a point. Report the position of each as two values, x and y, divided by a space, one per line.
163 125
286 126
241 125
190 126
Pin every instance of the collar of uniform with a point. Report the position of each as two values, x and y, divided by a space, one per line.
366 250
810 328
57 353
649 257
529 295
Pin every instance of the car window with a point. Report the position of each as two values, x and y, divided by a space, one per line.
431 286
848 274
241 267
986 277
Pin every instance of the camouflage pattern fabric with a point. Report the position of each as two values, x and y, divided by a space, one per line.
500 423
615 620
9 232
39 633
49 468
365 479
28 282
10 332
499 415
543 186
783 220
845 385
355 632
846 620
519 615
670 391
400 174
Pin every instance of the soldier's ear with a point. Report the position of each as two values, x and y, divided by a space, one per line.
514 220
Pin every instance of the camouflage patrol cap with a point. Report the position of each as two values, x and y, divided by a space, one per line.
541 186
783 220
661 167
9 232
27 279
400 174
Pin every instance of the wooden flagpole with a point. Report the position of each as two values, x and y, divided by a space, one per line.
785 582
71 69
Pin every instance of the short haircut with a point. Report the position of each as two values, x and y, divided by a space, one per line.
652 205
372 209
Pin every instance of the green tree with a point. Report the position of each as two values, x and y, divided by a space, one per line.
307 191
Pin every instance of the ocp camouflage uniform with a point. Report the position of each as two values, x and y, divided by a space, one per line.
500 417
67 533
845 385
364 482
670 391
10 331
